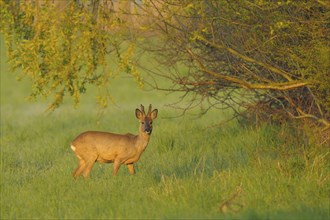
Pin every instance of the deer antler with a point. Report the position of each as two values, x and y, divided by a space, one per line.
149 111
142 108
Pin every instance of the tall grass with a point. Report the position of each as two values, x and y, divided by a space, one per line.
188 170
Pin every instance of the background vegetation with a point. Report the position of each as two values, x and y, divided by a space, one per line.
194 167
270 58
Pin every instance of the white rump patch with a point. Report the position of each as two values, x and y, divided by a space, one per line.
73 148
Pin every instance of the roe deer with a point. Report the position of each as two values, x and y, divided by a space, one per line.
105 147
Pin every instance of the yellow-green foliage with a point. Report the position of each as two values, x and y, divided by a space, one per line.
63 48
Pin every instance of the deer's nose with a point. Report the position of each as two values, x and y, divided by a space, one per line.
147 130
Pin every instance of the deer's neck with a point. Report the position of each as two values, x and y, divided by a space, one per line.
142 140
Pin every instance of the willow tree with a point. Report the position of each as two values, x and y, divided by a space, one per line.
64 46
269 57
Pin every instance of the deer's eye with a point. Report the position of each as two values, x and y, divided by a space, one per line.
142 122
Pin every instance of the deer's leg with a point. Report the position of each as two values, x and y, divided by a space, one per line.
88 168
116 166
131 168
80 168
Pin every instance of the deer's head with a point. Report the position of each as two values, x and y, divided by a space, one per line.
146 119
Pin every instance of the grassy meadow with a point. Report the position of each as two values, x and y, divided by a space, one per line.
189 170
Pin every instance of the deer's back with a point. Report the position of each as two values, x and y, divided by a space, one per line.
107 146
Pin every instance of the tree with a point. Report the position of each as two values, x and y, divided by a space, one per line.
64 46
270 57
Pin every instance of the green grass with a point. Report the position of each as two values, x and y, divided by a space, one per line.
188 170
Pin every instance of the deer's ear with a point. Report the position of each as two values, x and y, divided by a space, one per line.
154 114
138 114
